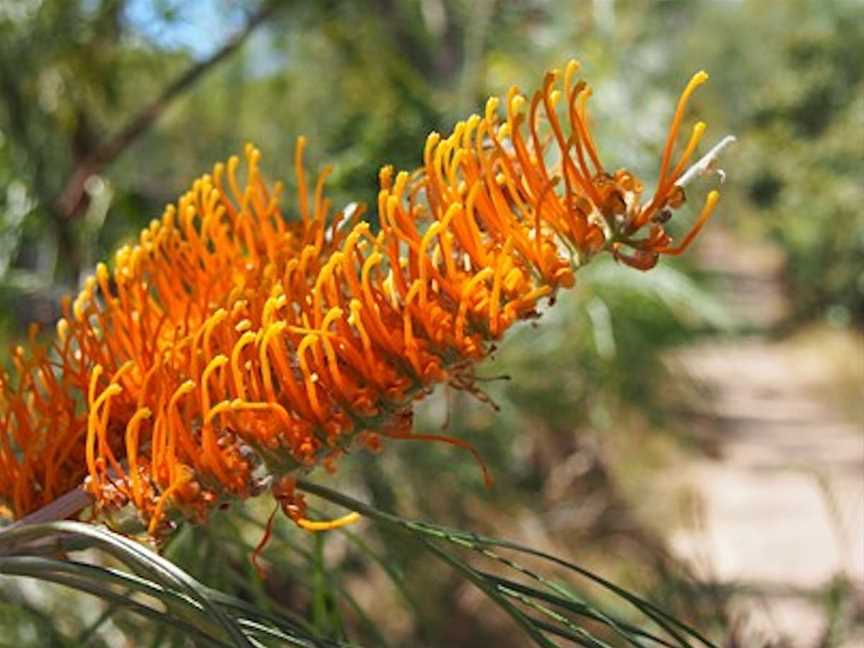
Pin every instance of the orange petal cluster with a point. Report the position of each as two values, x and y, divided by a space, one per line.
231 346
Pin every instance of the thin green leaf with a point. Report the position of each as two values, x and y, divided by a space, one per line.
515 613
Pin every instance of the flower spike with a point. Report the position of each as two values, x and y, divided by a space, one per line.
235 346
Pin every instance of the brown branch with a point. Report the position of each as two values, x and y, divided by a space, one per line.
70 200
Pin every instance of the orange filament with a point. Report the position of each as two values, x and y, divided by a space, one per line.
268 533
698 79
707 211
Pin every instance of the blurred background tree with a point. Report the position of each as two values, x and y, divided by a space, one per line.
109 108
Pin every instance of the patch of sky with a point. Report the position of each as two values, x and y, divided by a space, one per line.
200 28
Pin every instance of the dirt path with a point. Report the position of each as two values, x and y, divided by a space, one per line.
781 505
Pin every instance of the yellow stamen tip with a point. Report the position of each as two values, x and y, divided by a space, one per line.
62 329
491 108
431 142
517 104
572 68
113 389
385 176
345 520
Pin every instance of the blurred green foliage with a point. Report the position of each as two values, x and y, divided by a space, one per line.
794 77
585 422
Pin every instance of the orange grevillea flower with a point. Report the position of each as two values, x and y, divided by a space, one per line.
231 346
